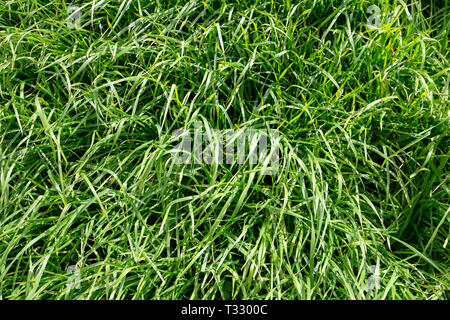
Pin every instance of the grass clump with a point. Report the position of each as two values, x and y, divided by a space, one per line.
86 176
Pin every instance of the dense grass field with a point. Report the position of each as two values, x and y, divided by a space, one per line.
93 205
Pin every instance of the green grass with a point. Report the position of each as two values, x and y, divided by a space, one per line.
86 176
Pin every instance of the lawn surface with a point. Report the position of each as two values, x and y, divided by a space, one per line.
93 205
